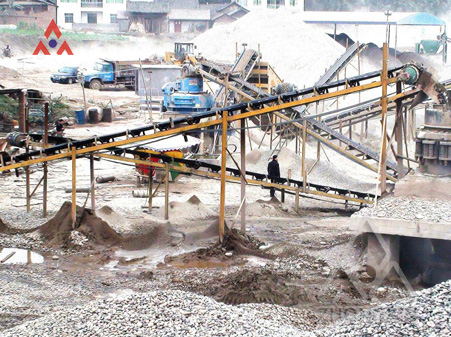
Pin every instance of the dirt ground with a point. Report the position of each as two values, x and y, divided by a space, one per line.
311 260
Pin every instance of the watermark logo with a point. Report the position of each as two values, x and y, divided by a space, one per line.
64 47
380 268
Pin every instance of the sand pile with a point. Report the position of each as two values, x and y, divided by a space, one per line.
191 209
114 219
298 52
334 174
4 228
264 208
90 230
159 236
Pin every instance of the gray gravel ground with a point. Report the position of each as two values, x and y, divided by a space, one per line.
161 313
410 208
423 314
178 313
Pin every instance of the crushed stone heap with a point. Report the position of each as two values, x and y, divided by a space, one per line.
410 208
425 314
298 52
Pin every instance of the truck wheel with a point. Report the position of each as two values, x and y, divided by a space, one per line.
95 85
70 81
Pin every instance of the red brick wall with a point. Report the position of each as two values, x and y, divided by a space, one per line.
41 15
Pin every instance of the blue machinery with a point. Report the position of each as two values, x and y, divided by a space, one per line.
187 95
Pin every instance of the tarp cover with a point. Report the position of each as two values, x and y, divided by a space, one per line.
174 143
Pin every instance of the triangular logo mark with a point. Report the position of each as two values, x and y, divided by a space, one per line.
52 28
40 47
64 47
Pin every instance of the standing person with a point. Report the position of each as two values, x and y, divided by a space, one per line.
59 127
273 172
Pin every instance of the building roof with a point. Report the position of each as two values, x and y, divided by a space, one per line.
220 15
372 18
189 14
231 4
421 19
21 3
160 6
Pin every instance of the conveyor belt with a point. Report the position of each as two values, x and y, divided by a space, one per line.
352 145
365 152
196 164
196 118
342 62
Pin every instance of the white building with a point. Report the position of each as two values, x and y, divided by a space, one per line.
272 4
99 15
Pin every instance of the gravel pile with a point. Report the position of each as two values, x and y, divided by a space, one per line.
298 318
162 313
410 208
426 313
21 219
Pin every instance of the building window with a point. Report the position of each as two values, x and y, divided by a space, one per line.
293 2
69 0
68 17
257 2
113 18
92 17
114 1
92 3
274 3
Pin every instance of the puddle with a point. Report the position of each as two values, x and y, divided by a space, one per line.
19 256
144 259
198 264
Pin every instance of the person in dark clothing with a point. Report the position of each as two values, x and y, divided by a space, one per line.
273 172
59 127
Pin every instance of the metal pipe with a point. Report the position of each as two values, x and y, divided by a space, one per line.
46 124
166 192
304 173
150 196
243 177
45 191
102 180
223 176
93 185
74 187
78 190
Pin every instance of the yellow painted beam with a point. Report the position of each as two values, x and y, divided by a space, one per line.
229 178
199 125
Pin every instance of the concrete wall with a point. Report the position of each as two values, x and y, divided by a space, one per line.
100 27
40 15
263 4
80 13
188 26
157 79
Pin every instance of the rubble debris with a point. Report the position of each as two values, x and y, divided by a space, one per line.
409 208
426 313
171 313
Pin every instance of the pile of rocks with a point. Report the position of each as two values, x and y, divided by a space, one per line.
180 313
161 313
426 313
410 208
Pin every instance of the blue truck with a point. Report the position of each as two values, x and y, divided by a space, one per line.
107 72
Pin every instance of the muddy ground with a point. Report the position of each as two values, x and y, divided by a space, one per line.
310 261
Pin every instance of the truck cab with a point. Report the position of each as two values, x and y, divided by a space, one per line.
102 73
111 72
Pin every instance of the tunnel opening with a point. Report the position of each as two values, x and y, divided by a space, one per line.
425 261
